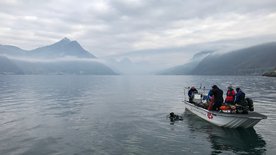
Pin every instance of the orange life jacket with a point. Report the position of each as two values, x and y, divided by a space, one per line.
225 107
230 96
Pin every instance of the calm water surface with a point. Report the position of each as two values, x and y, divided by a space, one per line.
105 115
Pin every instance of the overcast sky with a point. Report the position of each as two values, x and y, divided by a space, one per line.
111 27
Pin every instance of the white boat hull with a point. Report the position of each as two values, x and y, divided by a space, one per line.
226 119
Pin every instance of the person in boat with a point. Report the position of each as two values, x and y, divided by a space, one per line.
240 96
210 95
191 93
210 101
218 97
230 96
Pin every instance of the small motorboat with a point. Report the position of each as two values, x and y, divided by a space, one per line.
223 119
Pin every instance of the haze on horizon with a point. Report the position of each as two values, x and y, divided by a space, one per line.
160 32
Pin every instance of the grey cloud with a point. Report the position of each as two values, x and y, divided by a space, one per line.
118 26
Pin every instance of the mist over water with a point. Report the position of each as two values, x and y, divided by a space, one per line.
67 114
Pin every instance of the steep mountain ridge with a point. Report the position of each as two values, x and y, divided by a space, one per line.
60 49
188 67
248 61
63 48
51 59
254 60
8 50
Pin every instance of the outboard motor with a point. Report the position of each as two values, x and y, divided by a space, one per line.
243 107
250 104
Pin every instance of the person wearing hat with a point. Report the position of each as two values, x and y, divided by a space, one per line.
191 93
230 96
218 97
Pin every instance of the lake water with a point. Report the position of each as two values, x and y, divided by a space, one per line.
106 115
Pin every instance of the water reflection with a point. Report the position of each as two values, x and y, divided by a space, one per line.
224 140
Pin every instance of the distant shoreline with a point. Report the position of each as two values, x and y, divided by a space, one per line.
270 74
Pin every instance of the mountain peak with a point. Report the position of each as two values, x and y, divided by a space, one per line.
66 39
62 48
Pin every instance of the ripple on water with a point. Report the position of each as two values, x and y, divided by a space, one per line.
123 115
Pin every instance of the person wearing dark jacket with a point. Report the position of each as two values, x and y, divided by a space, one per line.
191 93
218 97
240 96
